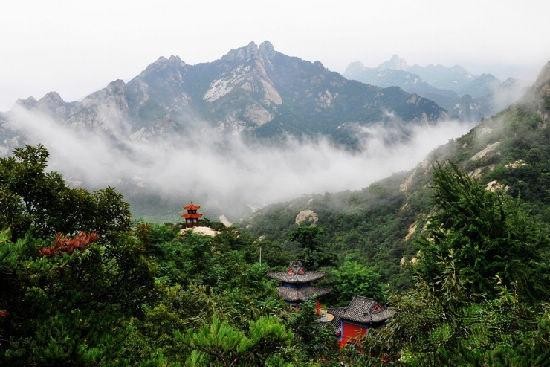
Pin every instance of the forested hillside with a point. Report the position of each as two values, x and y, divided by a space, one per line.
103 291
509 152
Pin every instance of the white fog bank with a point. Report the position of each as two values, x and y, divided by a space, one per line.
220 171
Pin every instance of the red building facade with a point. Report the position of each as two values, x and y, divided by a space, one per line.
353 322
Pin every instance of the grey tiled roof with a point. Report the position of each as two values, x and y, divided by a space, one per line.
290 277
363 310
337 313
301 294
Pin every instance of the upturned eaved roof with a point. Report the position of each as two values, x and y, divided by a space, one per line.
291 294
296 274
363 310
192 206
194 216
288 277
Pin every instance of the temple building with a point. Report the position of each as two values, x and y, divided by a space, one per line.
354 321
296 284
191 215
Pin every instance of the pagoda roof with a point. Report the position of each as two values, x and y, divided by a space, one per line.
192 206
290 277
296 274
188 215
363 310
291 294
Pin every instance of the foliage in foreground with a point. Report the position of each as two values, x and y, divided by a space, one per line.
127 296
147 296
482 284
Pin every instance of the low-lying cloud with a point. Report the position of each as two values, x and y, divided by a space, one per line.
224 172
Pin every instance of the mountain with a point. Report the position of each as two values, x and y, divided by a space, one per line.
394 63
450 78
254 89
465 96
538 96
146 135
509 151
384 76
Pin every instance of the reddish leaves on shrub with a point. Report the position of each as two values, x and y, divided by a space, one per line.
68 244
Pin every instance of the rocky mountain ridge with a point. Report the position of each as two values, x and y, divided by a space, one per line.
254 88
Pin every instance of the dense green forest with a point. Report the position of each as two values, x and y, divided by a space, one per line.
459 247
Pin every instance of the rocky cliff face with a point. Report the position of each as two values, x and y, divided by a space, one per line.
539 94
253 88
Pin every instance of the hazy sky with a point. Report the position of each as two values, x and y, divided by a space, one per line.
76 47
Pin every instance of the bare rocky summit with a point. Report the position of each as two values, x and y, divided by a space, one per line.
254 88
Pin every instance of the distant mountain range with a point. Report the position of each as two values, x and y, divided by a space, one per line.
465 96
252 89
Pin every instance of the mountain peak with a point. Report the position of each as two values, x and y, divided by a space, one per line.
175 59
459 69
116 87
394 63
118 83
163 62
354 68
539 93
250 52
544 75
266 49
29 102
52 98
487 76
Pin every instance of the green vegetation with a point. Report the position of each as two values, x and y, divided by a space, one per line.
40 203
482 284
464 265
355 279
139 295
461 248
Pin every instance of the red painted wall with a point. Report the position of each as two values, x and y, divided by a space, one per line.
350 331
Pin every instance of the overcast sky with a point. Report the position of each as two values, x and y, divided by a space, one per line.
76 47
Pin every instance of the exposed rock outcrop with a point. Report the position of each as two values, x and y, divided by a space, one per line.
307 216
201 230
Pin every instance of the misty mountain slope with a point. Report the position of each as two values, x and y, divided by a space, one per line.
384 76
170 133
465 96
538 96
510 151
252 88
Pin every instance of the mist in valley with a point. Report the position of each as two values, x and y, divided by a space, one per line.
222 171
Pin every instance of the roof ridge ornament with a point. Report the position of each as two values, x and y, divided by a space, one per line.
296 268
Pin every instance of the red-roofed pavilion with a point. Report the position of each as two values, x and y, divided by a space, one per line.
191 215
